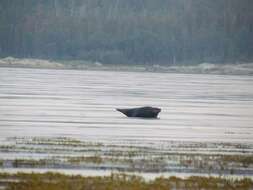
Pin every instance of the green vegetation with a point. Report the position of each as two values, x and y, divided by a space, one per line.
61 141
245 160
31 163
54 181
88 159
72 153
129 31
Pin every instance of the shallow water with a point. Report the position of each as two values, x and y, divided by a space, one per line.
146 176
81 104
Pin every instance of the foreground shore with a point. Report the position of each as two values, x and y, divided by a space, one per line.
184 158
56 181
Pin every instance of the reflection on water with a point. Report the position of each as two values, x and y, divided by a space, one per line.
81 104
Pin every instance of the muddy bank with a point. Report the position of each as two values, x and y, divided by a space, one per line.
56 181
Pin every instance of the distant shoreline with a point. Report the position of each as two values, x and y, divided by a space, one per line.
203 68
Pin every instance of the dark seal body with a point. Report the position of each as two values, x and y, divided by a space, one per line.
144 112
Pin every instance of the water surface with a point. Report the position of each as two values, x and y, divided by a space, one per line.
81 104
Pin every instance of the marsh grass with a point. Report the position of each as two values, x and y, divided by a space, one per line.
88 159
245 160
62 141
55 181
221 158
32 163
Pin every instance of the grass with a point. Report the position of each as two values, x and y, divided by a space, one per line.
64 151
31 163
61 141
202 163
245 160
88 159
55 181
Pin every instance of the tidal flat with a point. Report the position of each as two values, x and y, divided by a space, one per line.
217 159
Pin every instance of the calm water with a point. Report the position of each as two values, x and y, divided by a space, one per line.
81 104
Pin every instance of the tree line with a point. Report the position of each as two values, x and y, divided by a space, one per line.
128 31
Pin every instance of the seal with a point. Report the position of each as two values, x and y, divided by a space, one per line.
143 112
